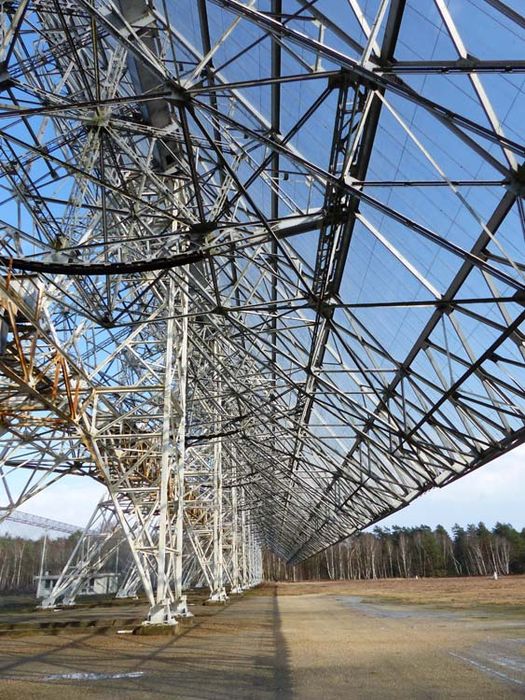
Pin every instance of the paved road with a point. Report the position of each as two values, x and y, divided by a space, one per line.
264 646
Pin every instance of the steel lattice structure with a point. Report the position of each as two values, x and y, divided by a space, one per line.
262 265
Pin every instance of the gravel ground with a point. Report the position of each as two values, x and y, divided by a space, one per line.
236 653
338 648
322 644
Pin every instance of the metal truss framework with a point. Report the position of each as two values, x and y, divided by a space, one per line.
263 267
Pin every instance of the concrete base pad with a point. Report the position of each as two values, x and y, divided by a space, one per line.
182 625
186 622
157 630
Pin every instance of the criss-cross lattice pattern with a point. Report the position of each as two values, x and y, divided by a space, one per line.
278 236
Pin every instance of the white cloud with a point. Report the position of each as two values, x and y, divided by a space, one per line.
494 492
71 500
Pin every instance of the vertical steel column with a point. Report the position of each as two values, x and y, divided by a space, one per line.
236 576
248 571
254 558
181 606
42 559
253 576
218 592
160 612
259 566
244 558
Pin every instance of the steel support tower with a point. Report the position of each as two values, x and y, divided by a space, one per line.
262 268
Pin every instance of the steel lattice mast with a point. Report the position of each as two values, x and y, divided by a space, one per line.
263 268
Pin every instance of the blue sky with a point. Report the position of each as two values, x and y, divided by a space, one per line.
493 493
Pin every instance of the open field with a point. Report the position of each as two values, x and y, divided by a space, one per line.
434 638
451 592
461 638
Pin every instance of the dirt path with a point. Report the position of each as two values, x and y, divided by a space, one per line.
321 645
339 647
237 653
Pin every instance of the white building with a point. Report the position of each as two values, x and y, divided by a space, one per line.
101 583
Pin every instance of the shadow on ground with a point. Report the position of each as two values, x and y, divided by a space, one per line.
240 652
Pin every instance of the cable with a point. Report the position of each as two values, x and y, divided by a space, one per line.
75 269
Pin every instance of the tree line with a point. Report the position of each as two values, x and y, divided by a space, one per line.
405 552
21 560
397 552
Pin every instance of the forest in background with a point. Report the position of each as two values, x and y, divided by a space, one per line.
21 558
397 552
405 552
